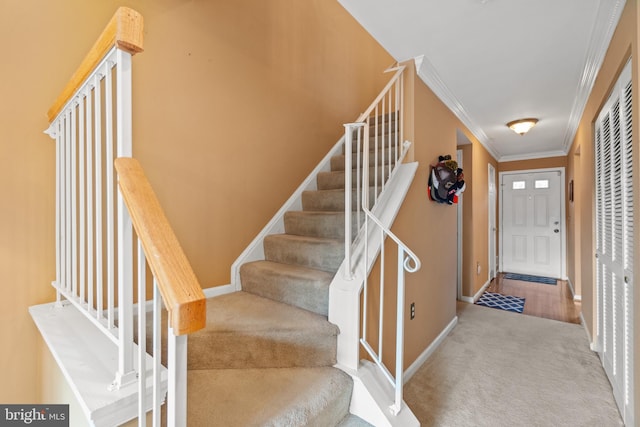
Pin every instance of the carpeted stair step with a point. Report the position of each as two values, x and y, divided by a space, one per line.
335 180
317 224
337 162
268 397
391 115
353 421
331 200
313 252
382 138
247 331
303 287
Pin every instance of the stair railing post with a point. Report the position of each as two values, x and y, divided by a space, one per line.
177 391
348 211
126 371
399 377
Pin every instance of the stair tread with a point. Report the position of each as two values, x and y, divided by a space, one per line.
332 199
303 238
353 421
292 270
242 311
328 224
334 180
304 287
268 397
248 331
321 253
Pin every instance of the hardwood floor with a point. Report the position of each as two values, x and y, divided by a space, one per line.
541 300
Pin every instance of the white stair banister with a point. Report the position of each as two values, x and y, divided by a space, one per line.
381 124
95 223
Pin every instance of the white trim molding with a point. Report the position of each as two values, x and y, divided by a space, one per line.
576 298
473 299
598 44
429 75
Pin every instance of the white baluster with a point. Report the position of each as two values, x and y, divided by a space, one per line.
142 338
110 190
99 183
90 236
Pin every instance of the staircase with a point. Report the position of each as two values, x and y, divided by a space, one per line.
263 352
267 353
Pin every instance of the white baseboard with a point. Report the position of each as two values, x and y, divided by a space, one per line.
411 370
216 291
576 298
592 345
573 292
473 299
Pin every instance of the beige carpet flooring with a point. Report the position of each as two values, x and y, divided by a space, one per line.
498 368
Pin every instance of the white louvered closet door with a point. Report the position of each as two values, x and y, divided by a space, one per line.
614 241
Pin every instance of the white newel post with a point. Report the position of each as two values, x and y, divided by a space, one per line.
177 397
126 373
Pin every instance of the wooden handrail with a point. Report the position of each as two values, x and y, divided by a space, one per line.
124 31
177 282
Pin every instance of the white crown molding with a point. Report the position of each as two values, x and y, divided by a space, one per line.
609 12
430 77
531 156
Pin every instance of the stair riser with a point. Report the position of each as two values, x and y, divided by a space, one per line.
325 255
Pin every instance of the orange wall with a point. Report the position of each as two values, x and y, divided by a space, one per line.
475 222
234 104
581 166
480 219
429 228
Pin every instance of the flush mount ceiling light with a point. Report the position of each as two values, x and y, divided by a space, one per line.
522 126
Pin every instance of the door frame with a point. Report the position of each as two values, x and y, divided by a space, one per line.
460 231
492 228
563 215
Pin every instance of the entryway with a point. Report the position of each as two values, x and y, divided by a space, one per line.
550 301
532 237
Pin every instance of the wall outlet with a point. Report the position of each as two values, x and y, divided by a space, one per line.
413 310
478 269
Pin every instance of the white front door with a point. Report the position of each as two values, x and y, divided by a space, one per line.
532 223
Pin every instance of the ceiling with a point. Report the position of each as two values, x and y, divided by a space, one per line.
494 61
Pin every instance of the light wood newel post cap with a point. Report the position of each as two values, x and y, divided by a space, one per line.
128 30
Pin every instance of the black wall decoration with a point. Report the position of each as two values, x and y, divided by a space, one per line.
446 181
